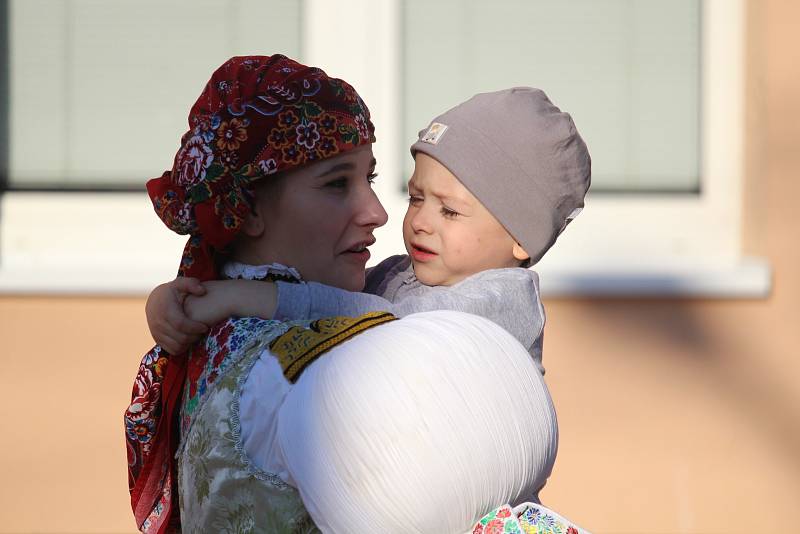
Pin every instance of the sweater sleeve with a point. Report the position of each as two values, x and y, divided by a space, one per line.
509 297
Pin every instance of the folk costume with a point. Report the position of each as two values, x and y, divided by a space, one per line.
257 116
221 489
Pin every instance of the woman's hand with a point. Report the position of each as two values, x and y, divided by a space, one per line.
168 324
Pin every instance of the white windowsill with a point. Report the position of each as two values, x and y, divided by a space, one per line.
102 244
752 278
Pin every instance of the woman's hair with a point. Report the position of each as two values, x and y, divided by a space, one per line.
423 424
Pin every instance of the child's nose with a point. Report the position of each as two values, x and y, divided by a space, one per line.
420 222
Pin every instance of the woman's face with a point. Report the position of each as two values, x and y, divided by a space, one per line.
321 217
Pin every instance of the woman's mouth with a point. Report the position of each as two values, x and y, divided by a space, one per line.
358 253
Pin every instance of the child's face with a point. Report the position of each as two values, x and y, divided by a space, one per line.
447 232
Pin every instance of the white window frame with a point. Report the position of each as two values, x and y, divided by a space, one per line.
625 244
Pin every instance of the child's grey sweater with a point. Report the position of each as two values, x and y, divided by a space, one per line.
509 297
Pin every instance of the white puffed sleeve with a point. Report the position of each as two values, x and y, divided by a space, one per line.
423 424
262 395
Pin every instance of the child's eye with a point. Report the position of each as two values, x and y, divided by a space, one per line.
414 201
448 213
371 177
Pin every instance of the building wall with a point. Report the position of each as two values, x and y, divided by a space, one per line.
675 415
684 415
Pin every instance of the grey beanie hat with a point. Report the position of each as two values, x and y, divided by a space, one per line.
520 156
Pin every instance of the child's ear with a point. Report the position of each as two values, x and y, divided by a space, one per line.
519 252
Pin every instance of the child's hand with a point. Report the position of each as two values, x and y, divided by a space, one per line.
168 324
232 298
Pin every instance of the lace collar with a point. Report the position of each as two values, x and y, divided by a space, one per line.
272 271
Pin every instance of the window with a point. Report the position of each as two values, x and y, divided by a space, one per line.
655 87
98 95
99 90
628 73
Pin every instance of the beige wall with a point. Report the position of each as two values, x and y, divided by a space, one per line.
675 415
684 415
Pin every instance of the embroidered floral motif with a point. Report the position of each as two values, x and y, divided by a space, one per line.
231 134
267 166
288 119
145 407
498 521
361 124
192 160
279 137
307 134
327 147
229 160
156 517
214 358
292 154
327 123
527 518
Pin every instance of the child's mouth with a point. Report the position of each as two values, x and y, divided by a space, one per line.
419 253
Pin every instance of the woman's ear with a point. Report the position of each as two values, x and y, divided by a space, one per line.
254 224
519 252
266 195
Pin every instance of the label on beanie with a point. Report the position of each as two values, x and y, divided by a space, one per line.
435 132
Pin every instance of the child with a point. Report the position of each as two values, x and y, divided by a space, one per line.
496 180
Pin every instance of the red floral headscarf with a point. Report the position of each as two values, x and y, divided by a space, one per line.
258 115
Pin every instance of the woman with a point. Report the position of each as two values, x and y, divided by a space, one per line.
275 170
263 128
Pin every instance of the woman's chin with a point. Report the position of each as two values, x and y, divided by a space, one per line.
352 279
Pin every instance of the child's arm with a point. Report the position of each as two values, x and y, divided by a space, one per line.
181 311
168 325
233 298
509 297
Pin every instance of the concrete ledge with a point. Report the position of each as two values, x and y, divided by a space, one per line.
750 278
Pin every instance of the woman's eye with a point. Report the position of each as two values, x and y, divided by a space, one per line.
338 183
414 201
448 213
371 177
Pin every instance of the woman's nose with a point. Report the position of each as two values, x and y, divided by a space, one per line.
370 211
